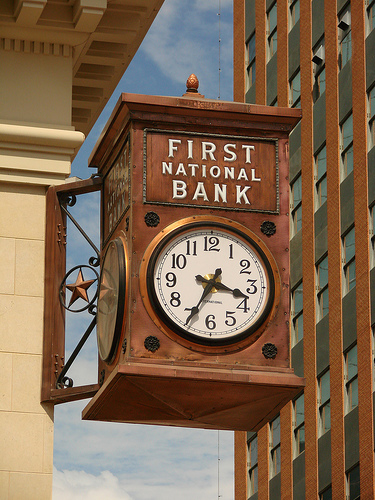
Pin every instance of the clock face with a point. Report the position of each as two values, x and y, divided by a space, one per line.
210 283
111 301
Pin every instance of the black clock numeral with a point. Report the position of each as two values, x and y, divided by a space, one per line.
171 280
210 244
253 288
231 320
231 251
210 323
178 261
243 305
175 299
191 246
245 264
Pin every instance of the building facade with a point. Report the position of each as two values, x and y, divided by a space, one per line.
319 55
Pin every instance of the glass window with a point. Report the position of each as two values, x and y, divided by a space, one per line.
296 205
324 414
370 17
326 494
250 62
295 91
272 30
294 12
297 314
353 484
348 261
321 177
347 146
319 82
322 286
252 466
275 457
351 379
299 425
345 39
372 235
371 118
319 69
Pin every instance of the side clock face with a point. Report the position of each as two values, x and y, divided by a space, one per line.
211 282
111 301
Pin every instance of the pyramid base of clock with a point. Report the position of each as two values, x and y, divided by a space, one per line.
160 394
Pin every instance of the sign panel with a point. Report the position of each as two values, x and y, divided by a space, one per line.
116 192
214 171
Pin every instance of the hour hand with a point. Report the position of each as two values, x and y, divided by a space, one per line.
220 286
235 291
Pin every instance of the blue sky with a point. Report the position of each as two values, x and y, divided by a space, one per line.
96 460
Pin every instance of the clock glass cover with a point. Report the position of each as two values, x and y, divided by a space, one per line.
210 283
111 301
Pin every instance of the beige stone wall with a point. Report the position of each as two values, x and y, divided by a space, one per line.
36 148
26 427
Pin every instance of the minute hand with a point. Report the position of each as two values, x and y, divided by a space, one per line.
210 284
220 286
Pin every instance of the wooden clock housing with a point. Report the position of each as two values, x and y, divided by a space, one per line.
164 162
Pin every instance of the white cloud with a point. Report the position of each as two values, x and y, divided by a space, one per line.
75 485
150 462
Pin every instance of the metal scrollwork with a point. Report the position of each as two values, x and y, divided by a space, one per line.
81 290
78 289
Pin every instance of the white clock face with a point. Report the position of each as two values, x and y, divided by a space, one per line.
211 284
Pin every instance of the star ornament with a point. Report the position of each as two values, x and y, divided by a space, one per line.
79 288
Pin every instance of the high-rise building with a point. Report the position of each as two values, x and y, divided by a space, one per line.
320 56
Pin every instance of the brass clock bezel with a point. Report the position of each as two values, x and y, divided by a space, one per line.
175 332
108 354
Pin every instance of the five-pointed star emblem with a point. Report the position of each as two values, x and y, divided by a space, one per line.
79 288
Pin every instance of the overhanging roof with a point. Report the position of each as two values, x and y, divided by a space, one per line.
104 34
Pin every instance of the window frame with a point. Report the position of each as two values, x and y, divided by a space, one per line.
346 147
322 293
320 179
275 449
298 426
271 32
370 20
322 494
293 10
344 40
348 263
296 315
295 102
296 207
348 484
252 469
371 115
323 405
250 63
351 382
372 234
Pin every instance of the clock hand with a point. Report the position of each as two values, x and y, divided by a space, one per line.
210 284
220 286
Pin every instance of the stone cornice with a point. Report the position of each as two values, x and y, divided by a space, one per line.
35 47
100 36
36 155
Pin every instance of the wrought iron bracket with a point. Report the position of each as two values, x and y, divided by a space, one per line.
57 386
